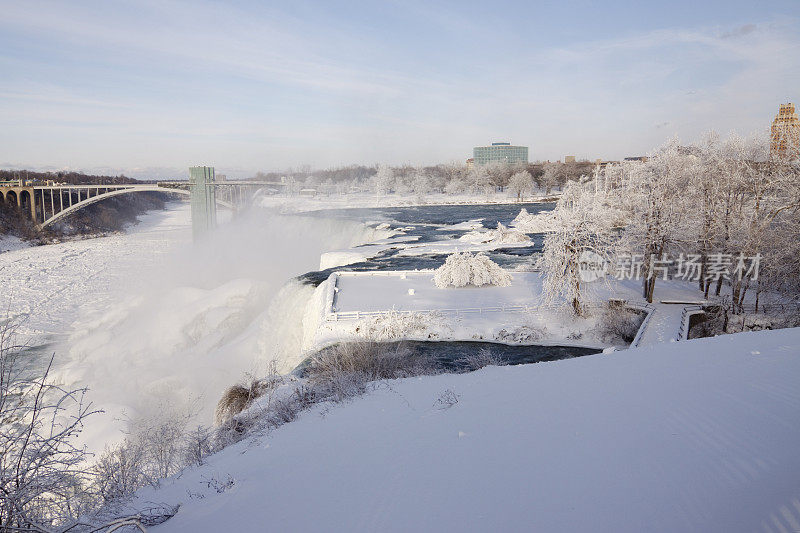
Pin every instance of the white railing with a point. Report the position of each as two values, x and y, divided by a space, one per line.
356 273
335 316
686 315
650 310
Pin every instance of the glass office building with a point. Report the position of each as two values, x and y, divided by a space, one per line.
502 152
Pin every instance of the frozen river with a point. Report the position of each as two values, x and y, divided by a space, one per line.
47 287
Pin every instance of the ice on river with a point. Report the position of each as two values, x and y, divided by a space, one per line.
151 323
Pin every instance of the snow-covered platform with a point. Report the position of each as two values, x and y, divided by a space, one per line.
369 292
512 314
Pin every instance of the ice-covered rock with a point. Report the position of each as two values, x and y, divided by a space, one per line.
533 222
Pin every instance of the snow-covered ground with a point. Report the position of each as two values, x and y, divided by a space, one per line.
48 287
698 435
9 243
695 436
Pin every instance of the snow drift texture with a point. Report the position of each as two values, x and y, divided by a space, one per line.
691 436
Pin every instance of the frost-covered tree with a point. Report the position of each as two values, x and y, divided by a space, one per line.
722 201
466 269
520 183
456 185
402 183
421 183
582 221
480 180
291 185
498 173
652 201
551 176
384 180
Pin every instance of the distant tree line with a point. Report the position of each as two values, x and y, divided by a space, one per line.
452 178
71 178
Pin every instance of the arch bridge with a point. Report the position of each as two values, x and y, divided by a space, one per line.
47 204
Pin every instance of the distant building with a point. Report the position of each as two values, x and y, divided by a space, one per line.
569 159
642 158
501 152
470 163
785 137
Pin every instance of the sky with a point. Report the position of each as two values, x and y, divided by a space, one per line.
149 88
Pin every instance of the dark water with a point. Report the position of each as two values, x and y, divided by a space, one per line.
451 356
430 224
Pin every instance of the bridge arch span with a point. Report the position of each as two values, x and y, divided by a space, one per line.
25 199
117 192
11 197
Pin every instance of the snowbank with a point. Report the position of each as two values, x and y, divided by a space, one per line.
10 242
474 224
501 235
341 258
694 436
380 237
298 204
533 223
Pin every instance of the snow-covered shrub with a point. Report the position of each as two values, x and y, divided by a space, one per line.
361 362
286 408
238 397
397 325
475 360
618 325
447 399
198 445
120 471
278 405
524 334
233 401
466 269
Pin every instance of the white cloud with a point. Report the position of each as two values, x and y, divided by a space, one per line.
166 83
